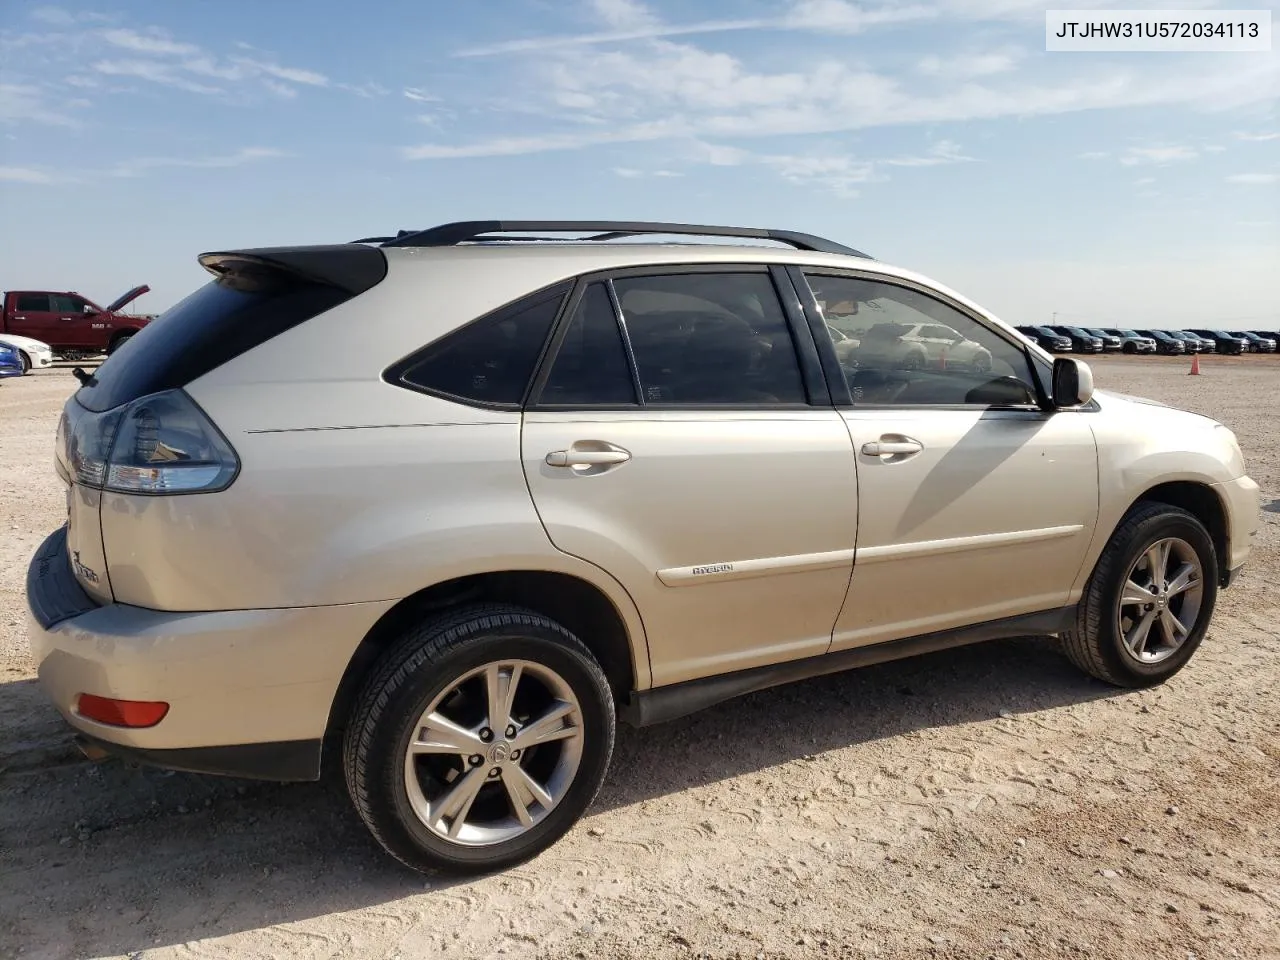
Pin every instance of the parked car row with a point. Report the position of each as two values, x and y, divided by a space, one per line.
1072 339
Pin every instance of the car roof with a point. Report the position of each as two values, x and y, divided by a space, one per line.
547 263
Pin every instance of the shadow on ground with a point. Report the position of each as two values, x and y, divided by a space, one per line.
171 858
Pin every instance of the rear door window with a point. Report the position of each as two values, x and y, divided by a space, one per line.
33 303
591 366
710 338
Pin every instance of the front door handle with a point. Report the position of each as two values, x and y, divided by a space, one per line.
586 458
892 446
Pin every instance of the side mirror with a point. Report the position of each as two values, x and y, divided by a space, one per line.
1072 382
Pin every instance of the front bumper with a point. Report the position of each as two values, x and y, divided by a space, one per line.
249 691
1242 499
39 361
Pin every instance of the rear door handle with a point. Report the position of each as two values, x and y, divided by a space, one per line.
586 458
892 447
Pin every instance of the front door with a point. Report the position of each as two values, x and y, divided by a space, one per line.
78 324
976 505
672 442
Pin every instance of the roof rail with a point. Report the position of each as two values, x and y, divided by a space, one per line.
450 234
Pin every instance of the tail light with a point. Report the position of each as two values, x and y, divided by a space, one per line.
158 444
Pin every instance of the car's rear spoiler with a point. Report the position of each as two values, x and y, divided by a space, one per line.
351 267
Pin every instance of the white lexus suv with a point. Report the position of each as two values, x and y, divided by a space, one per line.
577 473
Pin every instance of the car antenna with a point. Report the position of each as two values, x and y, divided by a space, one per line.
86 379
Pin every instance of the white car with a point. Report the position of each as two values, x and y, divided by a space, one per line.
34 354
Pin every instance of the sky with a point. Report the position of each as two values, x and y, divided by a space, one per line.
1132 189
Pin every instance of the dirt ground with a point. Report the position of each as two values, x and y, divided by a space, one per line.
983 802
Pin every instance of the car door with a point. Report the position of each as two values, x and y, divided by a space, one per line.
79 323
975 505
32 316
682 439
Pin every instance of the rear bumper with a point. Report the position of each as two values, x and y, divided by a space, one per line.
249 691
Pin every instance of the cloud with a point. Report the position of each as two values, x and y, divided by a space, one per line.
534 44
1257 137
628 20
630 173
967 66
24 175
1144 181
839 175
1094 155
155 43
58 17
1254 179
20 102
681 90
624 13
132 168
1135 156
421 96
152 71
292 74
840 16
942 152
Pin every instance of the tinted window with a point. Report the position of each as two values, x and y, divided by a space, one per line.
60 303
33 302
591 364
967 363
705 338
221 320
489 360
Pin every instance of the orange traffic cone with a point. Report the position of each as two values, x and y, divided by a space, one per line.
1195 365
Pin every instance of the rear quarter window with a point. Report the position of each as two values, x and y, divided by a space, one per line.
490 361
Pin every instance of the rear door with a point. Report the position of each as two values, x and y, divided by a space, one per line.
682 439
975 505
31 316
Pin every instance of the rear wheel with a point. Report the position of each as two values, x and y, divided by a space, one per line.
480 740
1149 601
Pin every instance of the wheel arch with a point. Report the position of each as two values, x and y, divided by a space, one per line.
1198 499
613 635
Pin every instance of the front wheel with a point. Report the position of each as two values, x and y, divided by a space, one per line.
480 741
1149 601
26 362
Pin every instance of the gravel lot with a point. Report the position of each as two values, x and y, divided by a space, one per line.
984 802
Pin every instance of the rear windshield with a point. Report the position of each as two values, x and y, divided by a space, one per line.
221 320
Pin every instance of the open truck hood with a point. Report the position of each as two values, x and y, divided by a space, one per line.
129 297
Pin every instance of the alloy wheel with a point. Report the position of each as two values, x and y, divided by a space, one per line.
494 753
1160 600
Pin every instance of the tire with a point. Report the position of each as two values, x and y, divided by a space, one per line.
1095 642
423 670
26 362
118 342
1130 348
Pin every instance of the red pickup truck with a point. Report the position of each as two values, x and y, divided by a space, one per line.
74 326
